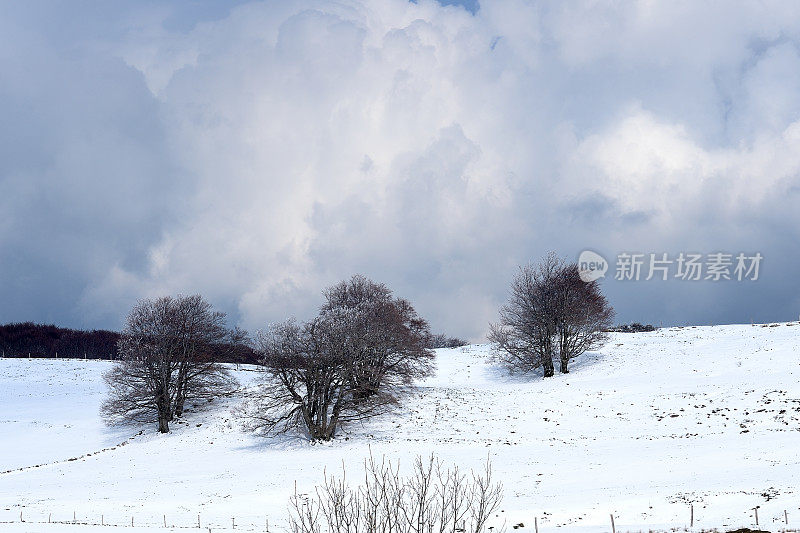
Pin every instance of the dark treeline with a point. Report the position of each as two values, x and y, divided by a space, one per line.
633 327
39 340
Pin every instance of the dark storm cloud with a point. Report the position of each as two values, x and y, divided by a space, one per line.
83 170
259 152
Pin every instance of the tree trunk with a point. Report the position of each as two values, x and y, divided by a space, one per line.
180 400
164 414
549 368
547 358
163 423
563 350
180 393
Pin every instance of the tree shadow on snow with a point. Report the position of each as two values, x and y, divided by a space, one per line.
585 360
497 371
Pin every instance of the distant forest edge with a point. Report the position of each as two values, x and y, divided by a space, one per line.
48 341
27 339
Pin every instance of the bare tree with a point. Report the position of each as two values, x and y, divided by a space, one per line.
387 341
304 383
167 355
307 383
526 333
433 499
583 315
551 312
349 363
199 331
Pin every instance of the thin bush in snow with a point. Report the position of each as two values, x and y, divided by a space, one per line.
433 499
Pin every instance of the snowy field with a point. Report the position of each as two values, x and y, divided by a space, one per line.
641 429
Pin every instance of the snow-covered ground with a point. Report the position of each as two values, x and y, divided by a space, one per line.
640 429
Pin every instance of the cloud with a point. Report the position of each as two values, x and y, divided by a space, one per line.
261 153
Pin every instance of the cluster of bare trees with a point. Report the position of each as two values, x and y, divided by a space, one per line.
167 354
441 340
433 499
551 314
348 363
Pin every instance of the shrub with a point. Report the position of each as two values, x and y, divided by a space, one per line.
433 499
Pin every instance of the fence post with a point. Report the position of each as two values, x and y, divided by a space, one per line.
536 524
165 520
785 517
691 517
756 511
613 527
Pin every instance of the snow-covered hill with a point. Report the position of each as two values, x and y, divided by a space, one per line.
640 429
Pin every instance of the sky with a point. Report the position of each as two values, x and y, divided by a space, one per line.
257 152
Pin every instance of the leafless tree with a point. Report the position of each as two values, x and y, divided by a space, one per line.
307 384
551 312
386 340
433 499
583 315
167 355
348 363
304 386
526 333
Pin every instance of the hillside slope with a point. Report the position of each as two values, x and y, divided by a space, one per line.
643 427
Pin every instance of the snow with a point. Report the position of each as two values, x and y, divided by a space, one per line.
640 429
